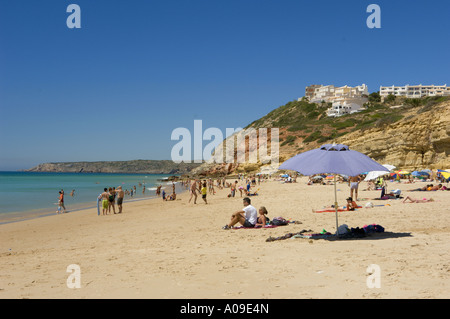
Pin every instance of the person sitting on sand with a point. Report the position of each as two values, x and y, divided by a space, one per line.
412 200
262 218
246 217
351 204
171 197
370 186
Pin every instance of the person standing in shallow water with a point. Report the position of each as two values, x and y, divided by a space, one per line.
111 199
105 201
120 195
61 200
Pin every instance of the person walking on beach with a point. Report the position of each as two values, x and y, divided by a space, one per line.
193 191
262 218
211 187
247 217
120 195
61 202
354 183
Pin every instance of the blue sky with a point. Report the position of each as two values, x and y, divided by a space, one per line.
116 88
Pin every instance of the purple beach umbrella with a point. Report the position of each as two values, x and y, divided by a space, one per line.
334 159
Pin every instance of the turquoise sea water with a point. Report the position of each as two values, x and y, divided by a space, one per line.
31 194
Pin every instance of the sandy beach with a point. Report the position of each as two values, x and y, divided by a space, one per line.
158 249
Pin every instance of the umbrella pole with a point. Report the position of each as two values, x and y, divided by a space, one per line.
336 205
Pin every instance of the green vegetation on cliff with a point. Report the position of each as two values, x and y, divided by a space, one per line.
301 121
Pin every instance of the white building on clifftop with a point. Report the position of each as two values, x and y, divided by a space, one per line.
344 99
414 91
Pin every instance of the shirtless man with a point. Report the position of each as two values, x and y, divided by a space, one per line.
120 195
354 183
105 201
194 191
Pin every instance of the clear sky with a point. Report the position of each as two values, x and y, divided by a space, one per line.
117 87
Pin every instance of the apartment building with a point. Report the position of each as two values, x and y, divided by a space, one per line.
414 91
344 99
310 90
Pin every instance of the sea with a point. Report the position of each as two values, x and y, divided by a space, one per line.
25 195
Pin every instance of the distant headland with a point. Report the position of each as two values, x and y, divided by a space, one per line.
126 167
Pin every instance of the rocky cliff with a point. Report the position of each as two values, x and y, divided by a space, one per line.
412 135
420 140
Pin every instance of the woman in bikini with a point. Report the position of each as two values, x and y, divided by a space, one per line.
413 200
111 197
262 218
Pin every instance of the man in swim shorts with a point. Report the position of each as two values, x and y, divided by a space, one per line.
119 194
105 201
354 183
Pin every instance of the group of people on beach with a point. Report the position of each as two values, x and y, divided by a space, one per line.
196 186
205 186
164 195
61 206
108 198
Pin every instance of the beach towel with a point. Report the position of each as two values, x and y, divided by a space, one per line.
333 210
388 197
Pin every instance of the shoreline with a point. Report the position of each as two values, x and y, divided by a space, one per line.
19 216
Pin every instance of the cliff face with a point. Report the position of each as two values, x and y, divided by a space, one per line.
421 140
132 167
409 137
